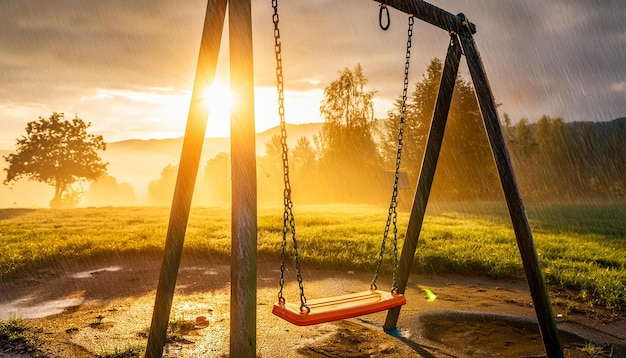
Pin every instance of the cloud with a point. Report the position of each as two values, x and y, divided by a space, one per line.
562 57
558 57
152 95
554 57
99 43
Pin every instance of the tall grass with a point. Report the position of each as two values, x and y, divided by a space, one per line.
581 247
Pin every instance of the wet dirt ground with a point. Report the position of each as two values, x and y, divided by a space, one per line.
82 309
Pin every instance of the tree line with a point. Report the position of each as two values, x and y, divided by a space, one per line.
352 158
568 161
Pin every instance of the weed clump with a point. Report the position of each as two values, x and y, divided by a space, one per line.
17 338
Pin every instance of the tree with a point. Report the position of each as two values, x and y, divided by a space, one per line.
269 172
273 148
523 149
465 168
161 191
106 191
348 151
303 156
217 179
346 102
303 164
542 134
419 111
524 143
613 162
506 129
58 152
586 138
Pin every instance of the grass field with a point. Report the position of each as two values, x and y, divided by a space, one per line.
581 247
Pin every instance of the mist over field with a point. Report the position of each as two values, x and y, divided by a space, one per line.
133 164
142 172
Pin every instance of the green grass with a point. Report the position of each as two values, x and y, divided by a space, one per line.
581 247
126 352
17 337
594 351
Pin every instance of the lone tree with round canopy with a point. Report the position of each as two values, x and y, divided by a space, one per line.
58 152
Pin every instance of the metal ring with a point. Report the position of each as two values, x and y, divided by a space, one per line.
383 7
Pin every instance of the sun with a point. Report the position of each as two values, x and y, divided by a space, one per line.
220 99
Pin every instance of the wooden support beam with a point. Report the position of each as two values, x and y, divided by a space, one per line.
429 164
243 264
187 172
429 13
513 197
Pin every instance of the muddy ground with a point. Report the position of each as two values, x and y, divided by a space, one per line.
85 309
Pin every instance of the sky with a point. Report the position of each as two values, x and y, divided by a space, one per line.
127 66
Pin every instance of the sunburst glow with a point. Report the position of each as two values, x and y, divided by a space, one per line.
220 100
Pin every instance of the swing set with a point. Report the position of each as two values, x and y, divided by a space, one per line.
243 171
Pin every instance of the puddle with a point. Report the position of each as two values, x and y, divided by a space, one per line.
24 308
205 271
483 334
349 339
88 274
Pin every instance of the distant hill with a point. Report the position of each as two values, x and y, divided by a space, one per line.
602 129
212 146
294 131
138 162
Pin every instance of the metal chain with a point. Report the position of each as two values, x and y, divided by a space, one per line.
289 221
392 218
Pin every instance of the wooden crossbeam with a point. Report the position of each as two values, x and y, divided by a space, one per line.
430 13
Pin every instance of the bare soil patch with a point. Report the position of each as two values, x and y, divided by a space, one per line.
89 308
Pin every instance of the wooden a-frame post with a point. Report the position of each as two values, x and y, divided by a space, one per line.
243 262
458 25
244 216
243 160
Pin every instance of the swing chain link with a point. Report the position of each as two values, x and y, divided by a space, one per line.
288 217
392 213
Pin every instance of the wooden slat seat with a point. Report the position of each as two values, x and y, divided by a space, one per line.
338 307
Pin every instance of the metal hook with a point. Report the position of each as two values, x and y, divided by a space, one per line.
383 8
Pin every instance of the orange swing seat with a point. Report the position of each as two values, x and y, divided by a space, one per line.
327 309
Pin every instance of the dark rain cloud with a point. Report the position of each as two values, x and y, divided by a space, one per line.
73 45
555 57
564 57
558 57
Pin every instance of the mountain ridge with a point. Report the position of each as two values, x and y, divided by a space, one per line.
214 145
